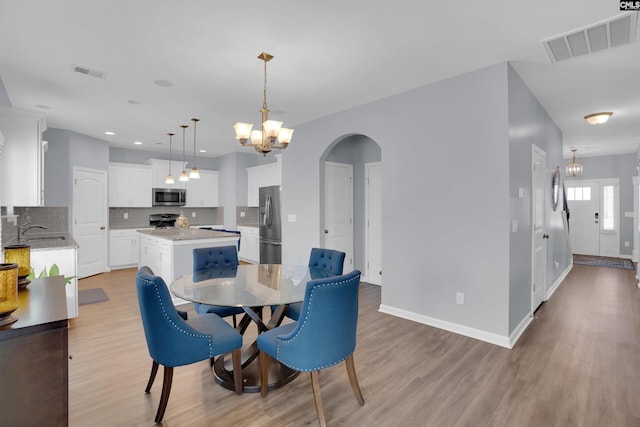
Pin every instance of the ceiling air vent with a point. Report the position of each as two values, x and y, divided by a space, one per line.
613 32
89 72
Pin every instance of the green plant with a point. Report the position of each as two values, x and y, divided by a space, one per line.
53 271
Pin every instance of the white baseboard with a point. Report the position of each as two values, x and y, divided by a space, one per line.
558 281
502 341
519 330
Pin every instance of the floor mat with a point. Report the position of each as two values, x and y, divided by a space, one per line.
601 261
92 296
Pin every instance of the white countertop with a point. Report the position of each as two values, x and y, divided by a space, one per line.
177 234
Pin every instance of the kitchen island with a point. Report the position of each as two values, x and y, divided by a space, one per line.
169 251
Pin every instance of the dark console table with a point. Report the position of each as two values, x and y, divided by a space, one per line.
34 358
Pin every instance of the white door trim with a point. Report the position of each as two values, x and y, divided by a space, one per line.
537 231
372 273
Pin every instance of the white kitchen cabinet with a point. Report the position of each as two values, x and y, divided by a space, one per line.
203 192
67 260
249 244
129 185
160 170
262 176
22 158
123 248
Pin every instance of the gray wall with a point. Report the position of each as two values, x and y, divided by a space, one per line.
448 155
530 124
624 167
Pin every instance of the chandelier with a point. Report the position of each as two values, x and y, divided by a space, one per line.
574 168
264 140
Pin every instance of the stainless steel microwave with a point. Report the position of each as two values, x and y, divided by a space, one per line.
169 197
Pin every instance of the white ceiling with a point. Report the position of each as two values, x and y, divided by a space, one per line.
330 55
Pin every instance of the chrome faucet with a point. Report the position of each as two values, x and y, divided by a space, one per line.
26 226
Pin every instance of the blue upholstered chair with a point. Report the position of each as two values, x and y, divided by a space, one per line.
174 341
324 263
324 335
216 257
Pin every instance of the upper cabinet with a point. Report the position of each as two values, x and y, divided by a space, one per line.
262 176
203 192
22 158
129 185
160 170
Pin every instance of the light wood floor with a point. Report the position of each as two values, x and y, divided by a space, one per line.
578 364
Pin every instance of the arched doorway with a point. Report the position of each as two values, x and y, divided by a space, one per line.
363 156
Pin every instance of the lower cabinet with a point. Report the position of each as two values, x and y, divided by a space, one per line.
123 249
249 244
67 261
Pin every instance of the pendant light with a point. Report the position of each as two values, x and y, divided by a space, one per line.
169 179
183 174
574 168
194 173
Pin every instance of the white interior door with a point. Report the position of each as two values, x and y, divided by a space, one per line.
90 220
338 210
539 207
373 234
594 217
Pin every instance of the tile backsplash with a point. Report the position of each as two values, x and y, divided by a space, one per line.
246 215
139 217
56 219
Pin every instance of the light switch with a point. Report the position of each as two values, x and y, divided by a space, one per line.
522 193
514 226
292 217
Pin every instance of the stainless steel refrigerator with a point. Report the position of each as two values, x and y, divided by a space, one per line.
270 222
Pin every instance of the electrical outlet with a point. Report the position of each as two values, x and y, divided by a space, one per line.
460 298
242 214
126 215
193 214
626 244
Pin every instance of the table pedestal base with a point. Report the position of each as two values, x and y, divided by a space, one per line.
279 375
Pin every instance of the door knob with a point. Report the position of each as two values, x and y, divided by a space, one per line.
545 236
102 228
326 231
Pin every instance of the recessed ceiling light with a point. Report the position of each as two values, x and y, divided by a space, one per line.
137 142
163 83
134 102
43 107
109 133
203 151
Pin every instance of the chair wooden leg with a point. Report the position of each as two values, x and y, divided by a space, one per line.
166 390
236 356
264 373
154 371
315 384
353 379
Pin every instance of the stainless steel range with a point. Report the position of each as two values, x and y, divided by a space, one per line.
163 220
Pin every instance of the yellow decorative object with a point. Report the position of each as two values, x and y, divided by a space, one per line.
19 254
8 293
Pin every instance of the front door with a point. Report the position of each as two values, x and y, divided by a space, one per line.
338 213
593 220
539 213
90 220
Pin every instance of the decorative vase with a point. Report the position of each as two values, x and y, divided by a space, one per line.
8 293
19 254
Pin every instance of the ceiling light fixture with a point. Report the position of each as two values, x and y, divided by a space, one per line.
183 174
169 179
109 133
574 168
194 173
264 140
598 118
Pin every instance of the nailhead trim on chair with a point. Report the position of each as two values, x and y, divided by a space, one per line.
164 311
302 327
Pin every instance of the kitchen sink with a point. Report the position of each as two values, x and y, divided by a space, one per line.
46 238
